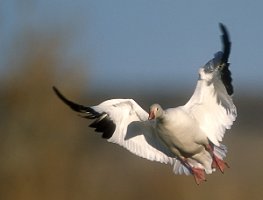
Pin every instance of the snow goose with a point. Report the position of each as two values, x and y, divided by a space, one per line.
188 137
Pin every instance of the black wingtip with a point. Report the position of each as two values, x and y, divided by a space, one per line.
74 106
60 96
105 126
57 92
222 27
226 42
226 74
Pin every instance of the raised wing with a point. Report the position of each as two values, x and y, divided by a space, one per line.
124 122
211 104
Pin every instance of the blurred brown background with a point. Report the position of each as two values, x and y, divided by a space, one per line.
48 152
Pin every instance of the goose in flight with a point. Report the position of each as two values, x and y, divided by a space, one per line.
187 137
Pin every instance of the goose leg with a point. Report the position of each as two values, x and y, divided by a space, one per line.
217 162
198 173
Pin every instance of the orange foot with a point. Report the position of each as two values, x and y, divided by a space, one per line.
219 163
199 175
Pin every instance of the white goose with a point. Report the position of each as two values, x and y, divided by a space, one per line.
187 137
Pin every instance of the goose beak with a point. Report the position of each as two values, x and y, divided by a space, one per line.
151 115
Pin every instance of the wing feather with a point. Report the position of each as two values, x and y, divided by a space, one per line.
124 122
211 104
133 131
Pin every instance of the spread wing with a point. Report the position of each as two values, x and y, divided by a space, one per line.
211 104
124 122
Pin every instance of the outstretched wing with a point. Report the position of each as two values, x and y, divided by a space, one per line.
124 122
211 104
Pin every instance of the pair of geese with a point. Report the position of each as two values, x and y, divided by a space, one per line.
188 137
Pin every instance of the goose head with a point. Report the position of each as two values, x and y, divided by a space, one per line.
155 112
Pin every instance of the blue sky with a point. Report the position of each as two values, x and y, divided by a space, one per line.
144 44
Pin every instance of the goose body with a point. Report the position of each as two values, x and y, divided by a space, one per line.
188 137
177 129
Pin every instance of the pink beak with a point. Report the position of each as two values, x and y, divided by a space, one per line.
151 115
